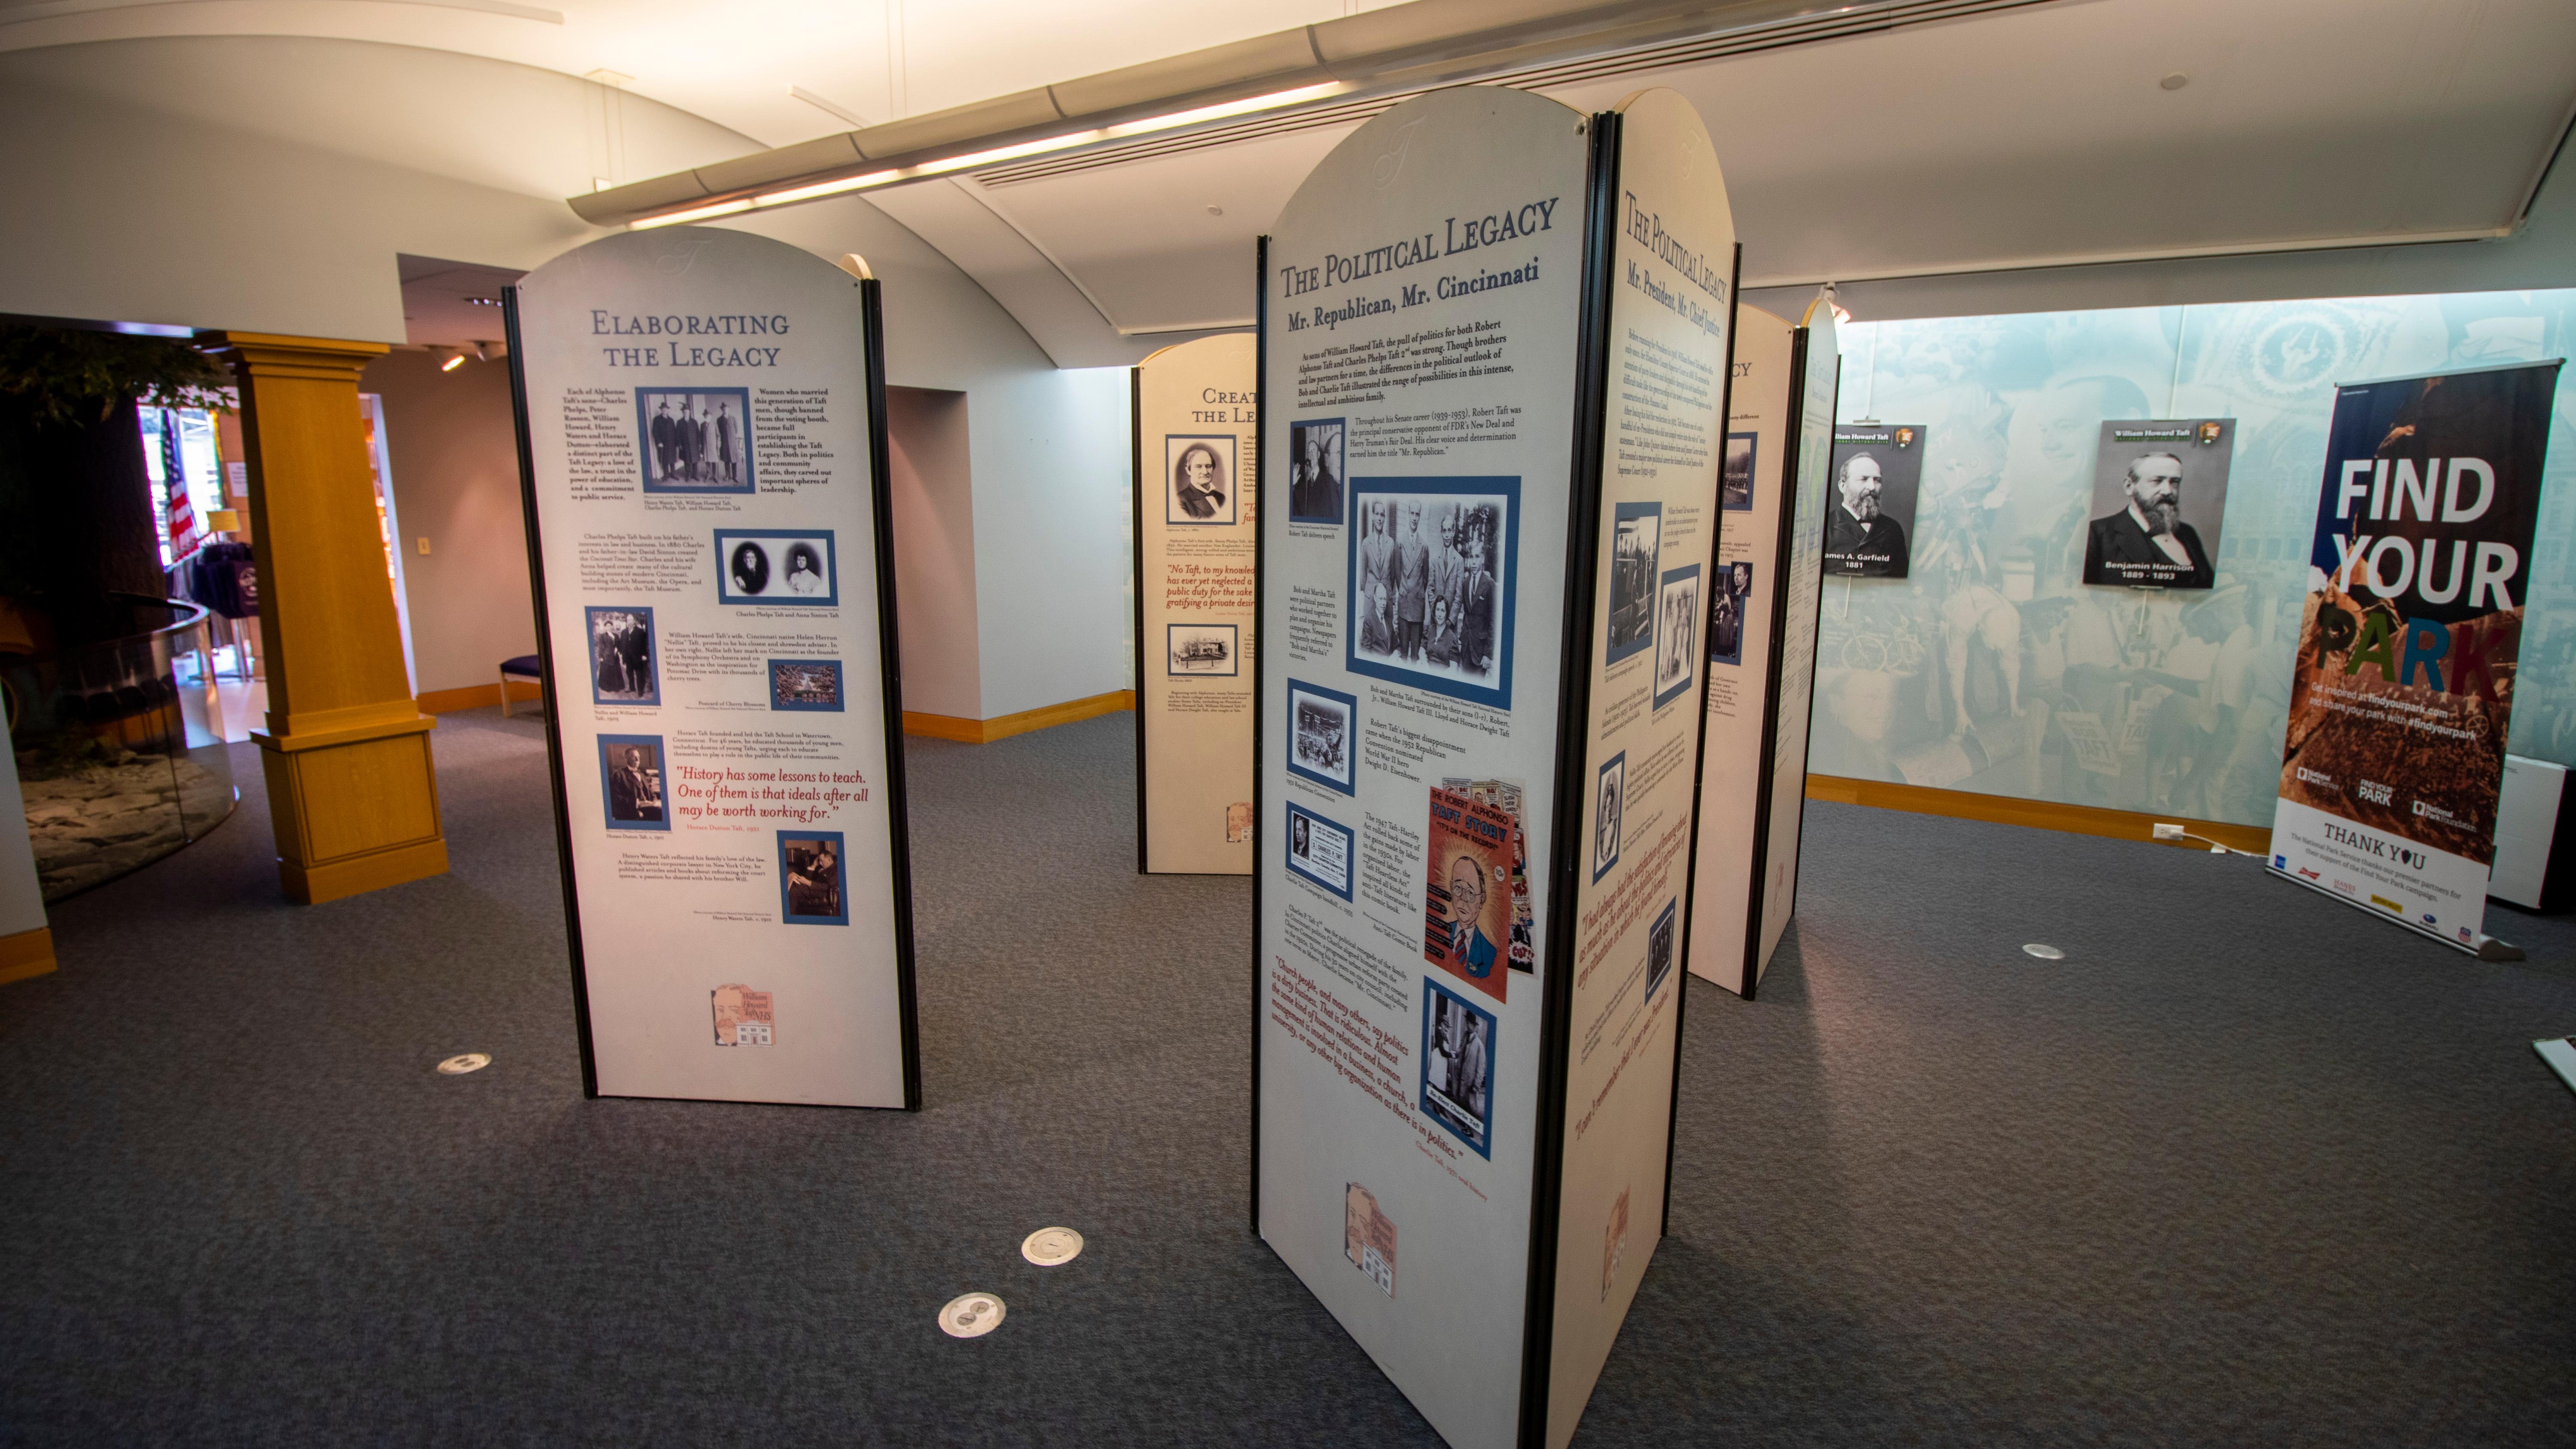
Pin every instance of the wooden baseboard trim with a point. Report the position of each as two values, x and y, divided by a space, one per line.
2038 814
1002 727
312 885
26 953
476 696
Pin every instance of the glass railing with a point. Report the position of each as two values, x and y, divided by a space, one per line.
114 775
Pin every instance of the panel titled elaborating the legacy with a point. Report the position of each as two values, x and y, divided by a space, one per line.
701 434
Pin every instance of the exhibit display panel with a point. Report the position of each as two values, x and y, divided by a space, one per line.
2408 646
1196 441
2170 700
1479 729
1762 643
702 443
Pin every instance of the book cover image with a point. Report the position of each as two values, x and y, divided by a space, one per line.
1467 897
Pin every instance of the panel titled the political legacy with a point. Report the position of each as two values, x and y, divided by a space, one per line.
2159 492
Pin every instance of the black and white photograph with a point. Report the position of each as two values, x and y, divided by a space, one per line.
1607 801
1636 553
622 667
2159 494
1201 651
1201 487
805 684
1869 509
778 566
1735 473
1319 850
631 782
1320 742
1729 609
1458 1066
1676 634
811 891
1431 569
1315 471
1659 947
696 439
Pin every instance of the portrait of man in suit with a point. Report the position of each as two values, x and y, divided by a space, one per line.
1861 541
2147 542
1315 485
634 789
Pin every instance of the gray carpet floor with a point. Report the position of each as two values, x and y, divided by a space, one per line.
2245 1168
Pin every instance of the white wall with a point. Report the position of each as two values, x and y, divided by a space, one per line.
933 502
22 896
266 184
455 461
1047 451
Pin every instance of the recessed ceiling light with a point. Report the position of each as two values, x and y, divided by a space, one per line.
453 363
2175 81
484 301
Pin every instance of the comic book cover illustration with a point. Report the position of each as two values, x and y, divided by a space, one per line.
1467 896
1505 795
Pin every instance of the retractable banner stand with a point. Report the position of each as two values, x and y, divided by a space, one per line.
2403 687
1479 729
1195 515
1762 643
702 443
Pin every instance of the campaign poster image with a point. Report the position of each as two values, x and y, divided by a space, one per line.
1467 897
2402 689
743 1017
1202 479
2159 493
1368 1237
1431 577
695 439
1458 1066
1869 519
777 567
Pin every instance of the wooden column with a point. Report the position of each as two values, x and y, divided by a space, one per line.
351 791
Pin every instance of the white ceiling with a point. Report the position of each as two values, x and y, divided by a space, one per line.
2027 136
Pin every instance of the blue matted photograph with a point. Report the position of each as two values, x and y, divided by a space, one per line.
695 439
1315 470
812 884
1609 796
1319 850
1458 1066
624 660
792 567
805 684
1322 735
1636 557
633 791
1433 584
1676 634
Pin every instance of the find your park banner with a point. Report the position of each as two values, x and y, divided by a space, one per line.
2403 688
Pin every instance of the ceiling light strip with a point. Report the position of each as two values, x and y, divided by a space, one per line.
1801 31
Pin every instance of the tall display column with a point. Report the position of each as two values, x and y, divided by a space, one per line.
352 794
1762 643
1506 323
1196 434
